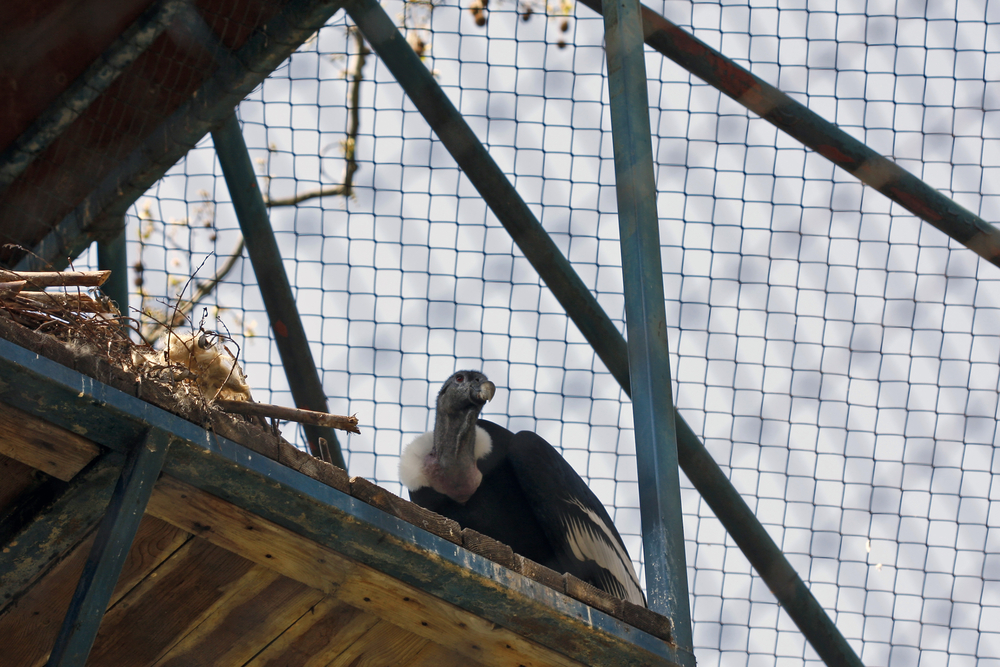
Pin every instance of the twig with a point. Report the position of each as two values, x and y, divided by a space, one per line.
203 289
8 290
49 301
290 414
37 279
350 143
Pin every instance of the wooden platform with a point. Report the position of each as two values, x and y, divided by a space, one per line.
255 553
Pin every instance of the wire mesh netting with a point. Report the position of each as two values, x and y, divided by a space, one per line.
838 357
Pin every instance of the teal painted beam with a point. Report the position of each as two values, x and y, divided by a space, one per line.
649 360
275 289
112 543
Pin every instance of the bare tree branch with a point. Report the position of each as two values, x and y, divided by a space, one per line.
349 144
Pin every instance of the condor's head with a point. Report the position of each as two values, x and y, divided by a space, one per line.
446 458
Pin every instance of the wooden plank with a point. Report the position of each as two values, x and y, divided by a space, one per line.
317 637
43 445
31 624
435 655
383 644
257 614
165 606
375 592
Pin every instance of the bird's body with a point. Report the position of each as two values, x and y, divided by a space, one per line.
521 491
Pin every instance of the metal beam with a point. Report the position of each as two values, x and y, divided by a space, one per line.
822 136
596 326
112 254
109 551
648 353
211 104
73 101
289 334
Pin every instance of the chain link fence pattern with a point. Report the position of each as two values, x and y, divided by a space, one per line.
838 356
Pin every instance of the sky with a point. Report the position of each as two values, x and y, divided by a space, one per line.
837 356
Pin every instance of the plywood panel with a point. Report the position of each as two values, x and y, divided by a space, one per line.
30 625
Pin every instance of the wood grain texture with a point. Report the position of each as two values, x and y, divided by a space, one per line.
350 581
265 605
43 445
165 606
383 644
376 496
30 625
317 637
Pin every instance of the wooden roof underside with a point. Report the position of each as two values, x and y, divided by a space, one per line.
74 183
258 554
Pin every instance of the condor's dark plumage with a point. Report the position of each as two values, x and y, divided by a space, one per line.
516 488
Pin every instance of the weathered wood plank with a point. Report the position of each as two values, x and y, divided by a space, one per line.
383 644
376 496
43 445
317 637
375 592
258 613
30 625
166 605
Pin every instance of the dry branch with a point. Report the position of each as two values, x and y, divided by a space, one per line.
350 142
267 410
59 301
42 279
10 289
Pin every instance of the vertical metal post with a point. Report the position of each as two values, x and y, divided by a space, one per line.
649 363
289 334
107 555
113 256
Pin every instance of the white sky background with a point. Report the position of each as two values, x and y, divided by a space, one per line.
838 357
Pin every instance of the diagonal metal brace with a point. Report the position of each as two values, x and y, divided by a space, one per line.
111 546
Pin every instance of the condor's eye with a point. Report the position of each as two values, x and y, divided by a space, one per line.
459 378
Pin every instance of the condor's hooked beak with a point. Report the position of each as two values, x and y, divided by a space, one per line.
487 390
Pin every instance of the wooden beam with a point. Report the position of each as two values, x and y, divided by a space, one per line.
383 644
375 592
43 445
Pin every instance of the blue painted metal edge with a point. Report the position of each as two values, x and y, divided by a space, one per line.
591 320
71 104
312 509
649 359
272 281
109 552
265 50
